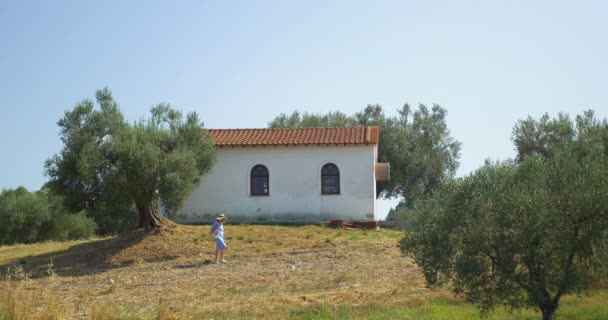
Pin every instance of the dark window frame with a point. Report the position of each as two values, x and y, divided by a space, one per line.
253 176
330 175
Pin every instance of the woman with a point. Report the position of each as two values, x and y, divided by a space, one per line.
217 230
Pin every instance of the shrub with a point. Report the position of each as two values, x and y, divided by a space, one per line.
27 217
22 215
72 227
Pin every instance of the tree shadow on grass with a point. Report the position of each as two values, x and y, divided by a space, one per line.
89 258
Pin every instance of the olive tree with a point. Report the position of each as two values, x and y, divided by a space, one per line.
520 233
417 144
106 159
543 137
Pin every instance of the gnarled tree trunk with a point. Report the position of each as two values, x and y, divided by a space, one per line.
548 311
148 216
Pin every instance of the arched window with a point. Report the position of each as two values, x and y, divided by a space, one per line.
330 179
259 181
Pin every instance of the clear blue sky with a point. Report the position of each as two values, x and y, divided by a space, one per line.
238 64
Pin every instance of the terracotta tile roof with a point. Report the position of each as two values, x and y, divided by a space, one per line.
246 137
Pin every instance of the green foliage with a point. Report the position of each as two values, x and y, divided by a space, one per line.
429 308
307 120
112 218
545 136
420 150
27 217
72 227
417 145
111 167
401 212
520 233
22 215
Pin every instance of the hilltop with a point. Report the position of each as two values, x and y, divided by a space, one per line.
272 272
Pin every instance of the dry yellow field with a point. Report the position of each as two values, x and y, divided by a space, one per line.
272 272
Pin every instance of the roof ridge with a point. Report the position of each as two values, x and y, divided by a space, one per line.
294 136
299 128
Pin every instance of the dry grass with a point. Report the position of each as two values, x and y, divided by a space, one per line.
272 272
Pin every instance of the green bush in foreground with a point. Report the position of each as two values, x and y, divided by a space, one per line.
521 233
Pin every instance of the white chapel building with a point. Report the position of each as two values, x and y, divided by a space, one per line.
301 175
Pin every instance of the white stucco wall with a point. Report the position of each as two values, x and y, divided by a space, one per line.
295 185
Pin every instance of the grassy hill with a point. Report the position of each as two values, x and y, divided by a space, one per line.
275 272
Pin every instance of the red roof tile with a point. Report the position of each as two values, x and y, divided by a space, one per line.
343 135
